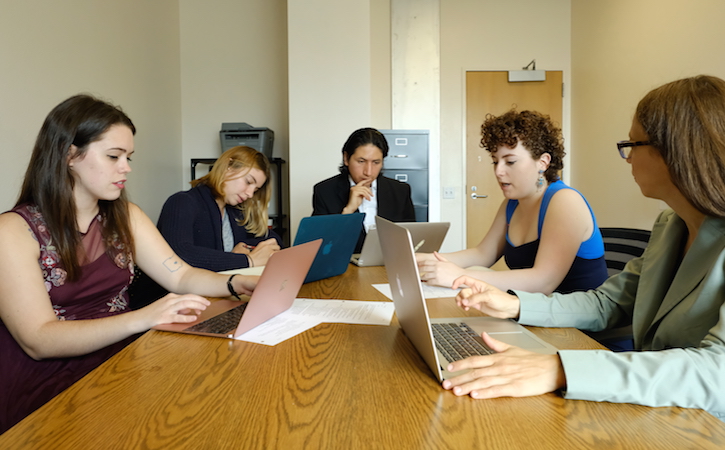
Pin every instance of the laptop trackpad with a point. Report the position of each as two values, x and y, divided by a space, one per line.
518 339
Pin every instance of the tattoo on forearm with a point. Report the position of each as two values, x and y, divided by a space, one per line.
172 264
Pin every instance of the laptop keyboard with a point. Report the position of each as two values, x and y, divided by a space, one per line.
457 341
224 323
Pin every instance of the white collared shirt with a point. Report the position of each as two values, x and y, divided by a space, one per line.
368 207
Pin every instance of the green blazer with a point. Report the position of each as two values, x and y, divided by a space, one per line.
677 314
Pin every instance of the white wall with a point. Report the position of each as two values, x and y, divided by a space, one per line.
125 52
329 90
180 68
621 49
233 69
492 35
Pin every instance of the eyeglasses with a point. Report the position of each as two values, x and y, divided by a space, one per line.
625 147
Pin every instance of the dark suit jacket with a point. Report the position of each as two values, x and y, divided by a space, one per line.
330 197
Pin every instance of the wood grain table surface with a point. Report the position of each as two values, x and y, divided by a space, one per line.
334 386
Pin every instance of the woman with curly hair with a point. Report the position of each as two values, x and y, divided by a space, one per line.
545 230
673 295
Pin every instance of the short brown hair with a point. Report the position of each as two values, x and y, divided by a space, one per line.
685 122
536 132
240 160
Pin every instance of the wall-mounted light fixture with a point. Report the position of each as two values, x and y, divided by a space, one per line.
528 73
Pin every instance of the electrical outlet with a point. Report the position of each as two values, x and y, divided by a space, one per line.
449 193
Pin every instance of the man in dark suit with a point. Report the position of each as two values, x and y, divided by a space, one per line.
359 186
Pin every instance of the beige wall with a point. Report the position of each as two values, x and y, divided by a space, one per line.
329 90
126 52
180 68
233 69
621 49
491 35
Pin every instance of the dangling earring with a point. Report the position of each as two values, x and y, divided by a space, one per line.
540 181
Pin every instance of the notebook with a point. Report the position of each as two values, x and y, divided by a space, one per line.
339 233
427 238
275 292
427 335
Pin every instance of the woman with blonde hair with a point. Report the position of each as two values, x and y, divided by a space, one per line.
222 222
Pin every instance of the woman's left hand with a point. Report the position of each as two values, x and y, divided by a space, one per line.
245 284
438 271
510 372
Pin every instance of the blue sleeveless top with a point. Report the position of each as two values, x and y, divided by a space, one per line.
587 271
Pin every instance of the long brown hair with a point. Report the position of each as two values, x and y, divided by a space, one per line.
48 184
685 122
236 162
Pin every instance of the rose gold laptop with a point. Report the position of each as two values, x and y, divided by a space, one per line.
275 292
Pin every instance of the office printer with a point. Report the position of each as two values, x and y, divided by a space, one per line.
260 139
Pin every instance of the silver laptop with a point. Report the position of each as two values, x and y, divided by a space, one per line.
275 292
429 335
427 238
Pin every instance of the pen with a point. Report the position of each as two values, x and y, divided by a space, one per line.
420 244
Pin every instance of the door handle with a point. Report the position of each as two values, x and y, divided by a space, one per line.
474 196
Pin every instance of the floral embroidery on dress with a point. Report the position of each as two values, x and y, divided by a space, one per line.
122 258
56 276
59 311
118 303
53 273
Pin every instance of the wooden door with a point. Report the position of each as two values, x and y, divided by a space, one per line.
491 92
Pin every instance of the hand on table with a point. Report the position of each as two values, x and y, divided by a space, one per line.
510 372
174 308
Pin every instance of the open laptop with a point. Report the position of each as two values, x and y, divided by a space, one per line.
339 233
275 292
427 238
428 335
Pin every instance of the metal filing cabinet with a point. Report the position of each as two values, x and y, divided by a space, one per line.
407 161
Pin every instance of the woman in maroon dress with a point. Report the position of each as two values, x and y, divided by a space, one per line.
67 251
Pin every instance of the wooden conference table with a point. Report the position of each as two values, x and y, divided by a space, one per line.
334 386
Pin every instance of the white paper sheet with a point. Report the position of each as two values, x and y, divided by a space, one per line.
345 311
279 328
307 313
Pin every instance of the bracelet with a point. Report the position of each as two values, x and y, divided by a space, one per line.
251 261
231 288
510 292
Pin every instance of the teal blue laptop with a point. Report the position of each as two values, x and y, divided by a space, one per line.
339 234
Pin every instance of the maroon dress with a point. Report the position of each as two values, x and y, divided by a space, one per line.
101 291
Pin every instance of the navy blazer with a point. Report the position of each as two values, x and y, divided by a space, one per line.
191 223
330 197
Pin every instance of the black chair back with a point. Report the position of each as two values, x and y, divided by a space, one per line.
621 245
